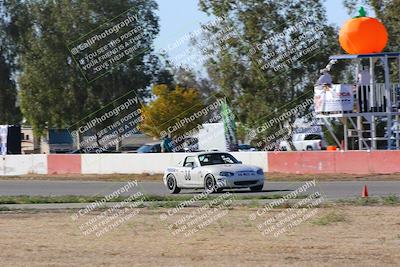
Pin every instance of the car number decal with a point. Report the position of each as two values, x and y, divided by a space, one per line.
187 175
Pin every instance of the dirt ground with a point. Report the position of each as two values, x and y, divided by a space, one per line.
158 177
363 236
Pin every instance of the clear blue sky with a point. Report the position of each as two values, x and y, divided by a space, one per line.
178 17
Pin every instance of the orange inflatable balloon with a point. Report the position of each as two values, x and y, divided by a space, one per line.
363 35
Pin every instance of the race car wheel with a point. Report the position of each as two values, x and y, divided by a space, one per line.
209 184
171 184
257 188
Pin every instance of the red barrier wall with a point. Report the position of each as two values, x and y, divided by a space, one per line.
356 162
64 164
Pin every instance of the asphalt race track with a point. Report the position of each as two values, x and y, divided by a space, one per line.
330 190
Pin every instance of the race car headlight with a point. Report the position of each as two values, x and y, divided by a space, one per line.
260 172
226 174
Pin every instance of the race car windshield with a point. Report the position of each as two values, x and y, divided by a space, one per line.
217 158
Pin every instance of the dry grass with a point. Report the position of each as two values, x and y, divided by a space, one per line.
363 236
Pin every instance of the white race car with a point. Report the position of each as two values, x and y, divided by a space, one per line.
213 171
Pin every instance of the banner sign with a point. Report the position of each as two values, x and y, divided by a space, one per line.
333 98
3 139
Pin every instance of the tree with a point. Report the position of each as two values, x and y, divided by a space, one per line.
9 112
185 77
237 63
53 91
172 112
189 79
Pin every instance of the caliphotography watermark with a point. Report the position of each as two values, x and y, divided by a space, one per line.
106 129
283 49
289 128
188 133
97 219
204 112
110 45
195 48
286 138
273 219
196 214
202 135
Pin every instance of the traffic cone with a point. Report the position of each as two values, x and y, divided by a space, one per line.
365 191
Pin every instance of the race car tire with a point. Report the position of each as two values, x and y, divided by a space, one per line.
172 185
257 188
209 184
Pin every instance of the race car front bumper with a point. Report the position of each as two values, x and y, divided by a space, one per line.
239 182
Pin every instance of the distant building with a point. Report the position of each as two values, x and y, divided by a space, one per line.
60 141
29 143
